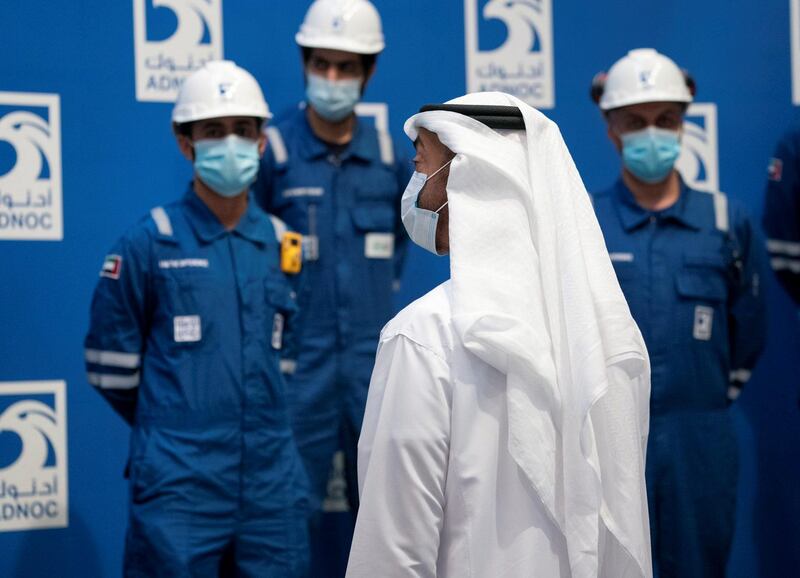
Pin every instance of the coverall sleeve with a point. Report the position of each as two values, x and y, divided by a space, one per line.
118 327
748 310
782 214
402 464
403 170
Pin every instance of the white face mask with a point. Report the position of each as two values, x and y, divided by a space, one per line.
420 223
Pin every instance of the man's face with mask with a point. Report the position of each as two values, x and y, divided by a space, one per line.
335 80
647 135
431 156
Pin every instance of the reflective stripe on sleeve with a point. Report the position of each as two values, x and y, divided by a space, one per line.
740 375
113 381
276 143
783 247
781 264
162 221
734 392
279 226
721 211
113 358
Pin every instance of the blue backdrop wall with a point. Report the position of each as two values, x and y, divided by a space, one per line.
86 148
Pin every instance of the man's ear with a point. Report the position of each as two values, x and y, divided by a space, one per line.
185 146
367 76
614 137
262 143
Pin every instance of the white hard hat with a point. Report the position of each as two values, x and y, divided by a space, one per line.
643 75
219 89
348 25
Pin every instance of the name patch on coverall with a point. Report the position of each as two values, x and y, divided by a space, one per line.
187 328
379 245
703 322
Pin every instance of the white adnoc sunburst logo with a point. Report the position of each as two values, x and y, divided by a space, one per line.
699 160
172 39
33 455
30 167
510 48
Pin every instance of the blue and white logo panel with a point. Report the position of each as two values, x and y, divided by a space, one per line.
699 160
30 167
33 455
510 49
379 113
172 39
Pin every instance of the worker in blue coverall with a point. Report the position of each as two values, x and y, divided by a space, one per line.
690 264
337 180
782 213
186 326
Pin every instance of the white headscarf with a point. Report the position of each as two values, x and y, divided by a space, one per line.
536 297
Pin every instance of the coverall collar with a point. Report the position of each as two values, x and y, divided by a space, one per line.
359 147
208 228
684 211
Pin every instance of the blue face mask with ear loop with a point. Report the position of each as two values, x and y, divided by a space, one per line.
334 100
650 153
228 165
420 223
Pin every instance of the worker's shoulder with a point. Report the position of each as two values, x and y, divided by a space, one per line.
602 198
719 210
427 322
160 223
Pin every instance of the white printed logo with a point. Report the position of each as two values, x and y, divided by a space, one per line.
30 169
521 63
699 160
33 455
172 39
336 499
795 27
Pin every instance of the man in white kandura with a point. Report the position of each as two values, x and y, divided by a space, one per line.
507 414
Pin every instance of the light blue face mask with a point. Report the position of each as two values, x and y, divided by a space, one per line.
228 165
420 223
334 100
651 153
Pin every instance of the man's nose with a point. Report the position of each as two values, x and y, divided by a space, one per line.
333 73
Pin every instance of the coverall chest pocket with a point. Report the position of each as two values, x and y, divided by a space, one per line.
374 223
298 207
702 288
187 302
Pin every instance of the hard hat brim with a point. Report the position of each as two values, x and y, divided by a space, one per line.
339 43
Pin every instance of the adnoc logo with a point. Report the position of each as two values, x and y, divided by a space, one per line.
173 38
510 48
30 166
379 112
699 160
33 455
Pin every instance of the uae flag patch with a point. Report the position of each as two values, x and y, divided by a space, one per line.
775 170
111 267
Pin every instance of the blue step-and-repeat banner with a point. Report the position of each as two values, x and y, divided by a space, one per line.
86 148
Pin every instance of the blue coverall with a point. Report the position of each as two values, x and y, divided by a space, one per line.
691 274
346 203
186 327
782 213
